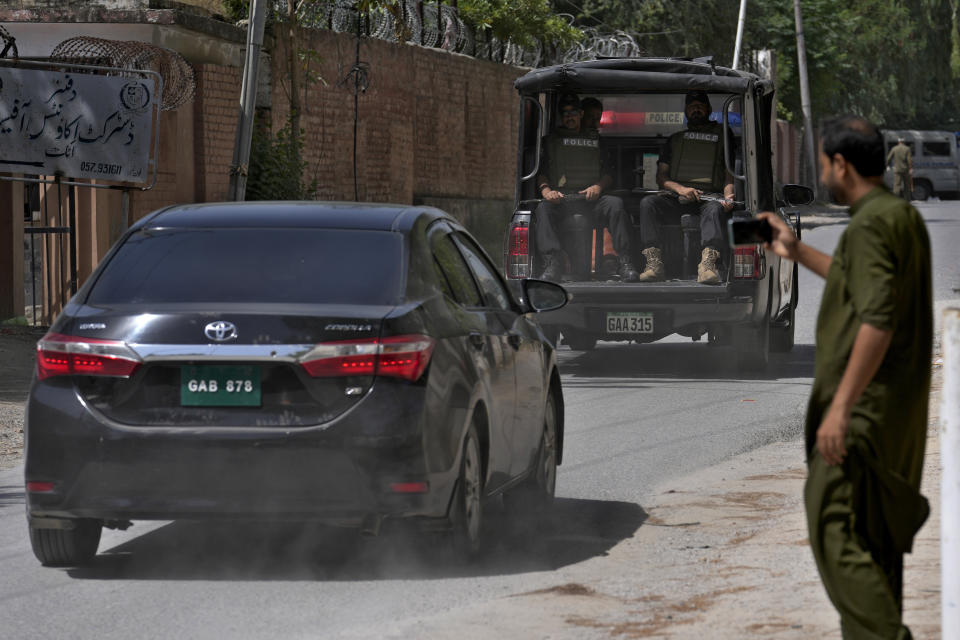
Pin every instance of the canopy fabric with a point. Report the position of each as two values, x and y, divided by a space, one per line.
638 74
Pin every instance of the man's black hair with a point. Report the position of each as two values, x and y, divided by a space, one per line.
568 100
590 102
856 139
697 95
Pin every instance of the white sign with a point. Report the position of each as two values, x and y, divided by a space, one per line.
77 125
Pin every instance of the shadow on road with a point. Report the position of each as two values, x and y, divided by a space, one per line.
11 495
575 530
678 360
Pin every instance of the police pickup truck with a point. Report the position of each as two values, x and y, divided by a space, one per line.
642 100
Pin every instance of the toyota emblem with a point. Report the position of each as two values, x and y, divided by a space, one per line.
220 331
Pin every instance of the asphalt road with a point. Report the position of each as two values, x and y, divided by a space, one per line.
638 417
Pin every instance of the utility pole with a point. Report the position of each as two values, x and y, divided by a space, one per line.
740 22
248 100
805 98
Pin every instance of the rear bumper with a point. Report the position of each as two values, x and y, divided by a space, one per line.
677 307
330 473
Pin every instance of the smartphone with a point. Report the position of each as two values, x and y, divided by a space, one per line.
752 231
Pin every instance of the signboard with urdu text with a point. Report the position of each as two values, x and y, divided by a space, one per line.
78 124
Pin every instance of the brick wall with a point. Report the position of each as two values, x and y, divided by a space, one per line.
431 123
215 109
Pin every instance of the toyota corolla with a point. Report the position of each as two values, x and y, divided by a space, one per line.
337 363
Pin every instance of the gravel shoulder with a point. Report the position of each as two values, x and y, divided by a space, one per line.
17 345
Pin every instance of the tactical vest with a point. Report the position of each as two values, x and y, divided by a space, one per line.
696 159
574 161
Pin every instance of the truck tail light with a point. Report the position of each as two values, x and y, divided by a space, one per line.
403 356
63 355
748 263
518 259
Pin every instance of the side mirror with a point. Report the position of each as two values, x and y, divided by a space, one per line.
797 194
544 296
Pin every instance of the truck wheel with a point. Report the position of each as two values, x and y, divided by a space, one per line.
922 190
579 341
752 344
67 547
552 334
782 337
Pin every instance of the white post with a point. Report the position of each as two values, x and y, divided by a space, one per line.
950 480
248 99
740 21
805 98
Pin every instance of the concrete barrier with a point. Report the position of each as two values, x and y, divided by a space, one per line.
950 480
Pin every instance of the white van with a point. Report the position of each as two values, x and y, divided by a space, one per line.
936 166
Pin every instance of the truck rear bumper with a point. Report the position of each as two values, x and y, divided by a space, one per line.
677 307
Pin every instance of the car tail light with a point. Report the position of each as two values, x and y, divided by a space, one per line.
395 356
748 263
40 487
518 263
62 355
409 487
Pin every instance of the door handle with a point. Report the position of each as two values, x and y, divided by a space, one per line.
515 340
476 339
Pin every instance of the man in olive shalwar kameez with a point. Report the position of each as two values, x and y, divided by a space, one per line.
866 421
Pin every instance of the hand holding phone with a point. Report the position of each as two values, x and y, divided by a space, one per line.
750 231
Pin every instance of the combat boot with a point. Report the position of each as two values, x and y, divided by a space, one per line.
707 271
626 271
654 269
552 267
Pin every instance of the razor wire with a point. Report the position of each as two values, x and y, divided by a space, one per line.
179 84
9 44
438 25
594 45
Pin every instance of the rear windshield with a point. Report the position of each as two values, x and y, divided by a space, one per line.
304 266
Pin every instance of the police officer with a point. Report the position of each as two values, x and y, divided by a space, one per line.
572 180
592 113
689 164
902 161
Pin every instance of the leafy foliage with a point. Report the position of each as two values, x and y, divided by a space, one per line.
522 21
277 166
893 61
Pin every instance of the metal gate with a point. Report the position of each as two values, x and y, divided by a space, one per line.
50 249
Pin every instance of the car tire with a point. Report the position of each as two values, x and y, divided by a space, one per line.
67 547
536 493
579 340
467 509
752 345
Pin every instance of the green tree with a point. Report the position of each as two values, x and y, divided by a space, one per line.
521 21
896 62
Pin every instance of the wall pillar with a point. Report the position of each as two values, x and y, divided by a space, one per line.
11 249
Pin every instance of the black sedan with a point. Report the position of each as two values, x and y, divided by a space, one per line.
337 363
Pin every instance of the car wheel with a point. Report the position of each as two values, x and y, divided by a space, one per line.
537 491
66 547
579 341
752 344
468 503
921 190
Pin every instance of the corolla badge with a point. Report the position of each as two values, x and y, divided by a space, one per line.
220 331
